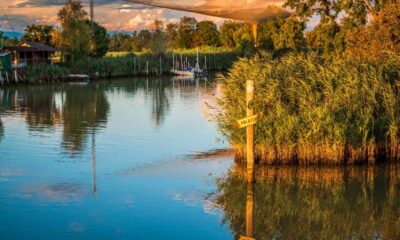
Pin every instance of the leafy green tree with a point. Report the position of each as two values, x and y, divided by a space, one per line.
38 33
80 37
324 34
288 34
326 37
171 35
207 34
243 38
186 30
73 9
12 41
135 43
228 29
6 41
121 42
380 37
143 39
76 40
158 43
338 18
237 35
100 40
76 34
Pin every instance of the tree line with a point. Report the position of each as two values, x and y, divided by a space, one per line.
337 24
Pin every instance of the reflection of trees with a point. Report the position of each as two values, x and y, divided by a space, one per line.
159 100
35 103
79 109
316 204
38 107
85 109
158 92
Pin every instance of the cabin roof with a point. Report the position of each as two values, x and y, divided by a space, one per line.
31 47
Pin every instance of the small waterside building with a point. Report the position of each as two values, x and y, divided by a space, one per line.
30 52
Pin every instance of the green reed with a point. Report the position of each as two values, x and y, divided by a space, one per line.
340 112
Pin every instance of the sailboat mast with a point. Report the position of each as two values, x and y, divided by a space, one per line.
91 10
197 60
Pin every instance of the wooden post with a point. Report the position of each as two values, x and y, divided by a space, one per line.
250 131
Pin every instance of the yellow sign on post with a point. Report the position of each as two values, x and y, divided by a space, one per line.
245 122
246 238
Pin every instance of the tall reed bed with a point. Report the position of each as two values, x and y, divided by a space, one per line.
340 112
45 73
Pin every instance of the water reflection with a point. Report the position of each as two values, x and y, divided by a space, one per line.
159 98
83 109
78 109
290 203
250 210
132 161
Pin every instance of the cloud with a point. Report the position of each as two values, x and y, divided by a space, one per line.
115 15
57 192
14 22
135 7
46 3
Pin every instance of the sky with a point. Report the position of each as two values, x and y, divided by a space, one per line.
115 15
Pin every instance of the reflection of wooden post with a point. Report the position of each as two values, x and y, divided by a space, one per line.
250 131
94 165
250 211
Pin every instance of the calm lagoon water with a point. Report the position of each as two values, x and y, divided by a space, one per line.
114 160
109 160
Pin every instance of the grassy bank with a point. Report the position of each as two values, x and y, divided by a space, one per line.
122 64
341 112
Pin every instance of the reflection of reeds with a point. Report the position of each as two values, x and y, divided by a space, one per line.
315 203
315 112
328 175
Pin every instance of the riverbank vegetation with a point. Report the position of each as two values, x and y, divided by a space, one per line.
127 64
322 107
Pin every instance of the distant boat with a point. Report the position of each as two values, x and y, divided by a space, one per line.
79 77
186 70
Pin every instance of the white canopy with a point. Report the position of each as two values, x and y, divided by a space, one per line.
252 11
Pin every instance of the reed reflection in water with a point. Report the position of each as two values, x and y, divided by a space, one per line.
301 203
